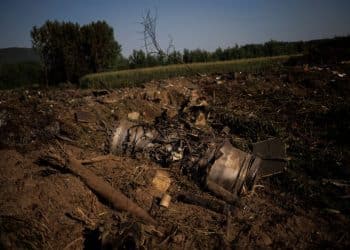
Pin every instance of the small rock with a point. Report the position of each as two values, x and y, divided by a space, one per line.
134 116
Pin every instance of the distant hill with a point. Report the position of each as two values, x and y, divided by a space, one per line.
16 55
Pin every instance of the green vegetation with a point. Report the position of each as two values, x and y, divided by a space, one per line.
134 77
23 74
69 51
18 55
19 67
140 59
335 49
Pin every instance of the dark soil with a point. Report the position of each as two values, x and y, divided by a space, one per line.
305 207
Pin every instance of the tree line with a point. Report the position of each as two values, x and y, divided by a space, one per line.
321 51
139 58
68 51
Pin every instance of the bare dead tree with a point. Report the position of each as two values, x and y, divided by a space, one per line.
151 43
149 23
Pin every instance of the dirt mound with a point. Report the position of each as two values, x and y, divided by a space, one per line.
305 207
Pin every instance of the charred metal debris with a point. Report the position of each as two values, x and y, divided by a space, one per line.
207 157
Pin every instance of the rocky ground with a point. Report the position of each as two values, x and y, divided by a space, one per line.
307 206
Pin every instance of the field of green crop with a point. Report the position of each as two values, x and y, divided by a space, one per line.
127 78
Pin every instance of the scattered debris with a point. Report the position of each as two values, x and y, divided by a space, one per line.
40 205
64 138
160 183
165 201
201 120
273 156
332 211
101 92
222 168
134 116
341 75
83 116
337 183
234 170
214 205
118 137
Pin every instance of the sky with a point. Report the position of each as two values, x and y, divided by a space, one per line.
192 24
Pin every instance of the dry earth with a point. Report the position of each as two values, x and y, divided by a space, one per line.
305 207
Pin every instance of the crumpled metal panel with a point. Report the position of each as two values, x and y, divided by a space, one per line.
273 155
119 136
130 137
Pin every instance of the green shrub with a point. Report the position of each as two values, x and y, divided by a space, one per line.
16 75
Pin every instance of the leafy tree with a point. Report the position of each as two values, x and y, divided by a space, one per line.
174 57
69 51
120 63
199 55
137 59
43 40
151 60
70 42
186 56
99 47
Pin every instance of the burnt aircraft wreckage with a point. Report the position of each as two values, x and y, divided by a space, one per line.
212 161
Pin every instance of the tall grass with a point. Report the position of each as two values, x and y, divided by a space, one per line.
134 77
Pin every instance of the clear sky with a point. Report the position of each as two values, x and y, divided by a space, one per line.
192 23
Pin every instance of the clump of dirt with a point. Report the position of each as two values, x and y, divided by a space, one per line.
305 207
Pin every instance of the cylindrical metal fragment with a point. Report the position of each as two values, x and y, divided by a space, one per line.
233 170
165 201
129 137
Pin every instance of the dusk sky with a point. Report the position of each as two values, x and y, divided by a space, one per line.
192 24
